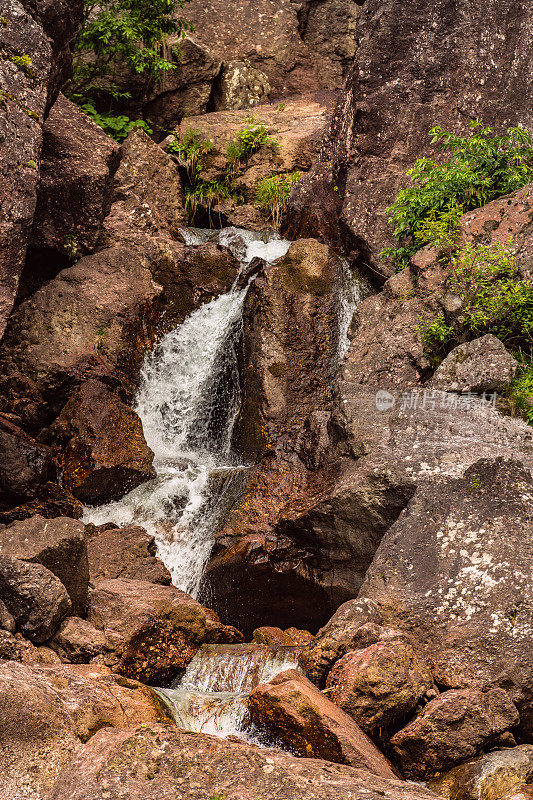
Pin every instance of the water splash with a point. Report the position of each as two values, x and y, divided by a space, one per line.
211 696
188 400
354 289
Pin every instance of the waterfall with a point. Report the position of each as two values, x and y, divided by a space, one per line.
211 696
188 399
354 289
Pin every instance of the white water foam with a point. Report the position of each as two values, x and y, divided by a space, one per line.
354 290
211 696
187 401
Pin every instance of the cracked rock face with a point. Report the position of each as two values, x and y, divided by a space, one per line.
455 571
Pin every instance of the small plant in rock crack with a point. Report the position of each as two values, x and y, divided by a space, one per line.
116 127
272 194
435 337
248 141
478 169
23 63
190 150
205 194
521 391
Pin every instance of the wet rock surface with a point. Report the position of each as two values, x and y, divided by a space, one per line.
379 685
106 454
151 631
295 711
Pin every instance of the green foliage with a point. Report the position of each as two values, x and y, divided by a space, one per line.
495 298
479 168
116 127
128 32
248 141
205 194
272 193
521 394
190 150
435 335
23 63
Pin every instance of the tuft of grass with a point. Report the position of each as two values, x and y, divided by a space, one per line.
272 194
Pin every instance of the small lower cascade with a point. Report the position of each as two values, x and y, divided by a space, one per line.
211 696
188 400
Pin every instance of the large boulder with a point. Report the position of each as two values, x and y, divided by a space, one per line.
380 685
382 121
106 455
94 319
127 552
291 345
452 728
297 126
490 776
78 163
34 597
466 598
76 641
297 713
59 545
26 466
481 366
154 763
152 631
34 40
300 47
47 712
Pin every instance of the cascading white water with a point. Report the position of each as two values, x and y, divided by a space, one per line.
187 401
211 696
354 290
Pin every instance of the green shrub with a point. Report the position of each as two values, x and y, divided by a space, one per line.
435 335
479 168
248 141
495 298
190 149
116 127
272 193
132 33
205 194
521 394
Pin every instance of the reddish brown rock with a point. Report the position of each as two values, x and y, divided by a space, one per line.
170 765
493 776
379 685
296 712
47 712
59 545
34 597
106 455
127 552
78 163
94 320
152 631
390 103
466 597
77 641
41 33
25 466
297 126
452 728
290 349
272 637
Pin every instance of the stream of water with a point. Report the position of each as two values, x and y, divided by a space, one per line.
188 400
